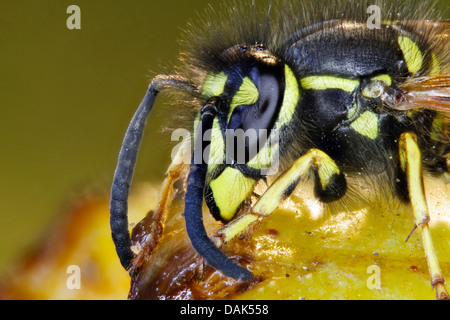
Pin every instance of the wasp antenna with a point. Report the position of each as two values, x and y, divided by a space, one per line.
193 213
127 161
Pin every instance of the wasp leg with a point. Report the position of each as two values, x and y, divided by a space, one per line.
330 185
127 160
410 163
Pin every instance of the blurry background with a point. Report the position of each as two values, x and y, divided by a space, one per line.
66 97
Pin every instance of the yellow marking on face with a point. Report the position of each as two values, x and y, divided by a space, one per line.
328 82
411 53
290 99
247 95
229 190
265 156
217 146
367 125
214 84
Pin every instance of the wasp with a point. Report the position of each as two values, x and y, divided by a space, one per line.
344 101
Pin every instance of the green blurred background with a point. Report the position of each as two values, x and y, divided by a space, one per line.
66 97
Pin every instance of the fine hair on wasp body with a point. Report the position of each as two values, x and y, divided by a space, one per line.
316 91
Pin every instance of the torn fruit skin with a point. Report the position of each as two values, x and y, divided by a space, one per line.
325 256
297 253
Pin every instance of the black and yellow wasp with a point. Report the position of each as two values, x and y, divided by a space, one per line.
345 99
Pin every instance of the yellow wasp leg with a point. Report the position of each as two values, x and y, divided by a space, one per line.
279 190
410 161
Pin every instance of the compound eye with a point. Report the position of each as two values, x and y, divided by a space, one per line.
256 105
